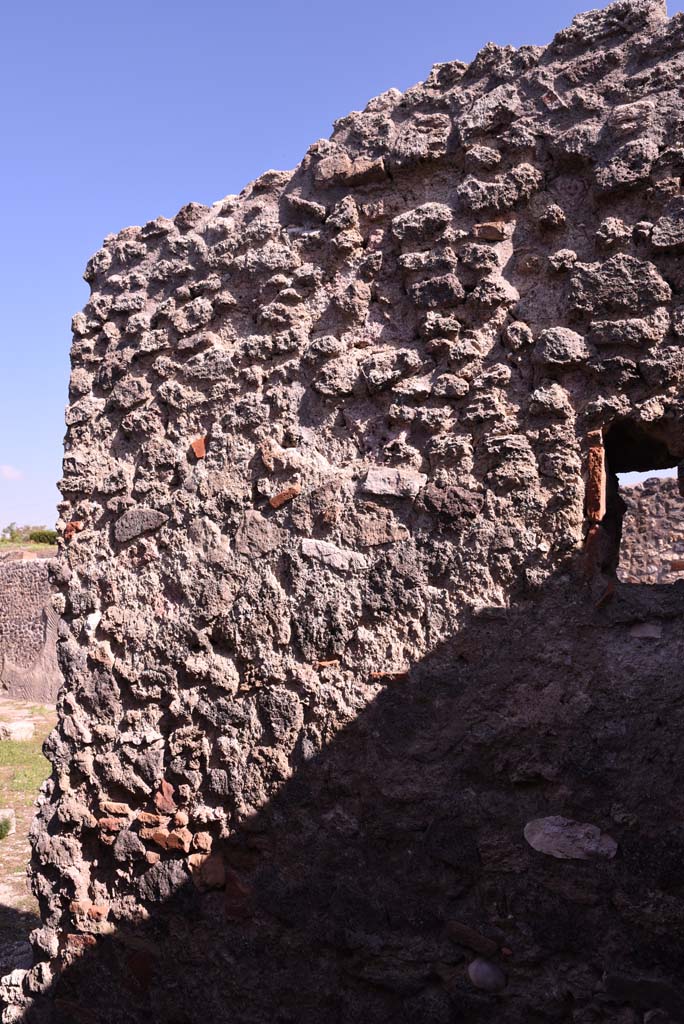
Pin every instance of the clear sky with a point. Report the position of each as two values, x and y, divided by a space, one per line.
115 113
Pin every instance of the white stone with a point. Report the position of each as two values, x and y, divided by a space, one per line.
17 730
92 622
330 554
566 839
390 480
256 535
646 631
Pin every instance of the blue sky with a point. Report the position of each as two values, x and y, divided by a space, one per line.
114 113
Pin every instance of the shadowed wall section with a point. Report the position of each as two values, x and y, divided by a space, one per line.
394 857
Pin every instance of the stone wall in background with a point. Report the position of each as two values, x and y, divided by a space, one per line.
652 548
28 632
355 725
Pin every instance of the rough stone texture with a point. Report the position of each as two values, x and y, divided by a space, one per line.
354 697
28 632
652 547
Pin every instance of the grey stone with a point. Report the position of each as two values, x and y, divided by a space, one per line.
559 347
128 846
422 223
256 535
333 556
136 521
566 839
163 880
646 631
17 730
394 482
486 975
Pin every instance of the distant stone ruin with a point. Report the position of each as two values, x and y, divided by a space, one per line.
28 632
359 723
652 546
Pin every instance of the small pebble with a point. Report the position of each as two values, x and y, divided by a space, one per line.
486 975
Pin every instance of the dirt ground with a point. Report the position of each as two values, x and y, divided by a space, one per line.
22 770
10 550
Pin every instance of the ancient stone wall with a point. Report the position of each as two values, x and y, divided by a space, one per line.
652 548
346 660
28 632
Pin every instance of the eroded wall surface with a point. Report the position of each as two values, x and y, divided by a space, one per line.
28 632
339 615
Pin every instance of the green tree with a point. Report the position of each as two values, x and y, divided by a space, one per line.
16 534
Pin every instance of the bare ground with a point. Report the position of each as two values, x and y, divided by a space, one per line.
22 769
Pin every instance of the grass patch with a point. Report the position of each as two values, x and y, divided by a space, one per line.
39 709
5 826
20 752
22 770
45 550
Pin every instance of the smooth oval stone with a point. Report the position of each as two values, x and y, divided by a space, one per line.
486 975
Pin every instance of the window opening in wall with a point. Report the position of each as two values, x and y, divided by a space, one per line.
644 520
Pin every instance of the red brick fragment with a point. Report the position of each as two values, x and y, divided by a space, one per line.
199 447
179 839
164 801
97 911
111 824
677 565
160 836
606 596
202 842
466 936
79 906
208 871
75 526
76 941
596 484
152 820
110 807
284 496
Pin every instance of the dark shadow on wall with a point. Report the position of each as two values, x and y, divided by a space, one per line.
339 894
15 926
